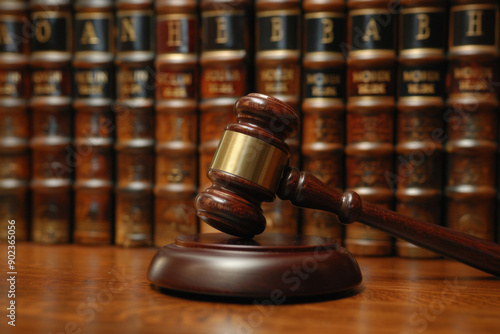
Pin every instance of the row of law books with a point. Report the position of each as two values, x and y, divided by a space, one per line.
111 111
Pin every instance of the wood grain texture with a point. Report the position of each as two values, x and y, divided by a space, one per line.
225 205
273 265
305 190
56 285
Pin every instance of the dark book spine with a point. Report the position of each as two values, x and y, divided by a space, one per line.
371 87
472 116
224 74
14 120
94 124
50 103
176 119
323 105
278 73
135 89
421 89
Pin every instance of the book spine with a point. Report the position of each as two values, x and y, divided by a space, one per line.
323 105
176 119
278 73
370 115
50 104
94 124
224 74
420 105
135 89
14 121
472 116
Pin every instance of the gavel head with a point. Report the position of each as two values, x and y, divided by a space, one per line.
248 165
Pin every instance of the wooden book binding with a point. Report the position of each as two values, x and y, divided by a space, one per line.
420 104
278 70
14 122
93 122
51 141
225 67
177 77
472 117
323 106
371 89
135 91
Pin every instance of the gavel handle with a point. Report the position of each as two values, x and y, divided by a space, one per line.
305 190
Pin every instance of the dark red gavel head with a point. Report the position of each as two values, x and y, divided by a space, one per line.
248 166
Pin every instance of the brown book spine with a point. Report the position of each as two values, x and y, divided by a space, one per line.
278 73
135 89
176 119
14 122
421 88
94 123
370 115
472 116
323 105
50 104
224 74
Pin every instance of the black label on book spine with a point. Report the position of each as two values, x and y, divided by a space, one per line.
93 82
474 25
423 29
325 32
422 80
52 31
93 33
324 83
12 39
224 31
279 32
135 32
372 31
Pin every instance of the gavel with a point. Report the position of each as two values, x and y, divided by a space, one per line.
251 166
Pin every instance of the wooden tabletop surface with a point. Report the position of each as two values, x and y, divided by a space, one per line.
79 289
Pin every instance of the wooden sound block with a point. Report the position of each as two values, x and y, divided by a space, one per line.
269 265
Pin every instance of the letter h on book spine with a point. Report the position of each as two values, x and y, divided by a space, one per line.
471 117
176 120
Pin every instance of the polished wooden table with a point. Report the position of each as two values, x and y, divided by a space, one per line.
79 289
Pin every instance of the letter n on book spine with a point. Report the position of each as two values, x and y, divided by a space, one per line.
53 156
135 89
472 117
176 120
14 122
